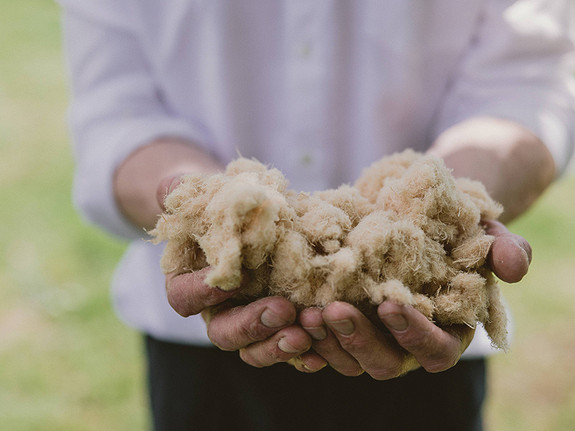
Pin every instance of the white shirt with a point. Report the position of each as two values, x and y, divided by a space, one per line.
319 89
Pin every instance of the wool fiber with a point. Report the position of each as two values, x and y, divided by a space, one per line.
406 231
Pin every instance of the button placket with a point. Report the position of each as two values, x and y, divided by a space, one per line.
305 87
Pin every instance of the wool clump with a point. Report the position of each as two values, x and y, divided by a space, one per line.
407 231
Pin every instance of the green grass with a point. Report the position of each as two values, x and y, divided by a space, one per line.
533 386
67 363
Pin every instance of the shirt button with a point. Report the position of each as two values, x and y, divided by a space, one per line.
306 159
305 50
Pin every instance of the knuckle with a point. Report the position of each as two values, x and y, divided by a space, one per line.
355 344
275 355
253 330
237 328
414 341
227 337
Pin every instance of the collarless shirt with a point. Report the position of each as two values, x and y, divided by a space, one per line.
319 89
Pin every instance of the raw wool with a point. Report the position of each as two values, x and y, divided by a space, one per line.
350 200
406 231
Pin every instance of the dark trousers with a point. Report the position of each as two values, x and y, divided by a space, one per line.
197 388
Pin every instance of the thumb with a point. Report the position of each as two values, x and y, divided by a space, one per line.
510 254
167 186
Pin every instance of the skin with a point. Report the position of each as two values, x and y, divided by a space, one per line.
514 165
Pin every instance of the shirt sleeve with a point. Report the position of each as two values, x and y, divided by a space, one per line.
115 105
520 67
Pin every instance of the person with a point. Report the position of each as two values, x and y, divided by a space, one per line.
319 90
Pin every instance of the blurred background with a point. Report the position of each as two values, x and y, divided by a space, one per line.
67 363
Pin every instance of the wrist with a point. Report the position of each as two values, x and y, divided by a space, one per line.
138 179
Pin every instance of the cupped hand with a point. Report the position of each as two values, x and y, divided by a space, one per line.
264 332
351 344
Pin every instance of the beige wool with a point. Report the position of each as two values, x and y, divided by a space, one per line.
405 231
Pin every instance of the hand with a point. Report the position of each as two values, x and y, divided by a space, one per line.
351 344
263 331
510 254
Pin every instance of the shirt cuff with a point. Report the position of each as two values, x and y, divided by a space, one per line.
93 185
557 134
553 127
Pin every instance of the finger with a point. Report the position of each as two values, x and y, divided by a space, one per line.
312 321
167 186
283 346
238 327
326 344
510 254
434 349
188 294
309 362
378 356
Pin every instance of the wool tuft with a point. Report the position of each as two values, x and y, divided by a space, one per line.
406 231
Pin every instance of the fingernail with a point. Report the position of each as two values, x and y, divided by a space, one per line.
344 327
524 245
300 365
286 347
396 322
317 332
308 369
271 319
